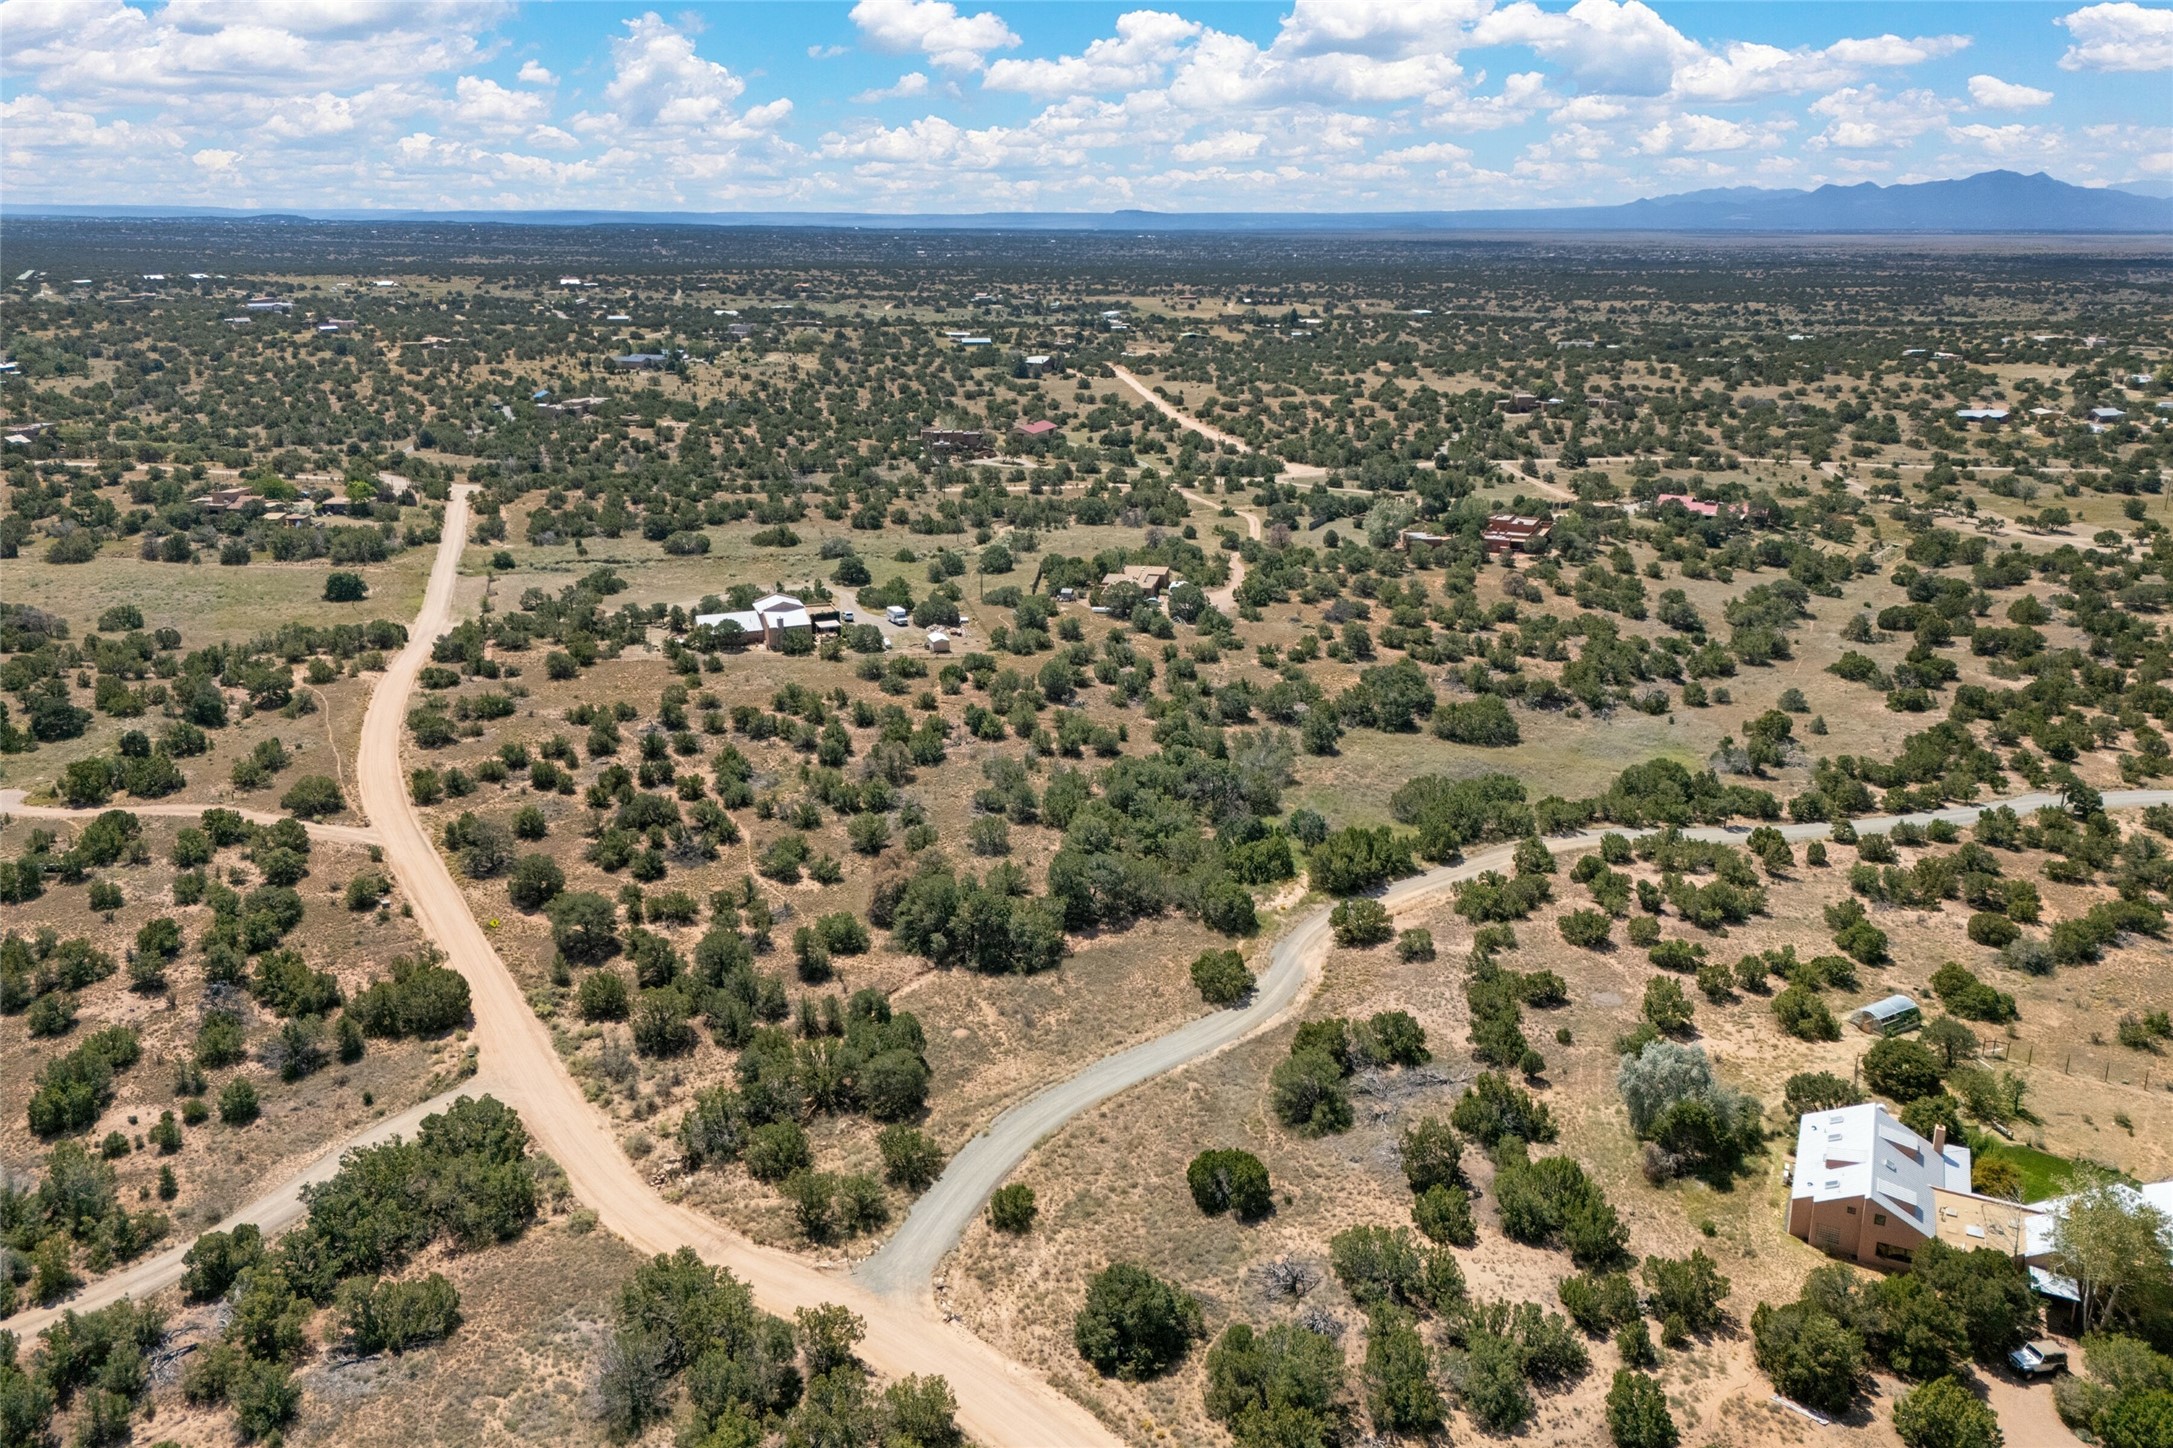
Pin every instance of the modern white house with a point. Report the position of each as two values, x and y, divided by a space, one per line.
771 618
1865 1185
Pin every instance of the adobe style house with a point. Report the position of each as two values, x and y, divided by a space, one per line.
1148 578
1509 533
1866 1187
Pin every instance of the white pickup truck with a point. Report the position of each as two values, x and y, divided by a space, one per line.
2038 1359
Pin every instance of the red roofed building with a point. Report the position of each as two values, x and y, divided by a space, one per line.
1036 431
1510 533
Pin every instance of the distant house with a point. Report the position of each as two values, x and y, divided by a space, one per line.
1517 402
1698 506
1036 431
577 406
1980 416
1038 364
740 330
971 441
746 620
640 361
1513 533
268 304
2107 414
240 321
1148 578
781 613
225 500
1411 538
976 341
1864 1184
1892 1016
771 618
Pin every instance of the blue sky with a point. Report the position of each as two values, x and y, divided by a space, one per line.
920 105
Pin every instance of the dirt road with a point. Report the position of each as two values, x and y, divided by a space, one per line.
276 1210
1293 471
11 803
1225 597
999 1402
906 1264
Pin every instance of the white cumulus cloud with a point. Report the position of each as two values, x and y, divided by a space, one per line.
1995 94
2122 36
1137 55
912 83
934 28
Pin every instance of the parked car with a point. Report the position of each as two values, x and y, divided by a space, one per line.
2038 1359
896 615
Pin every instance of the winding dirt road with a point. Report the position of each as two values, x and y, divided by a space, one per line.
1225 597
999 1402
1184 419
906 1264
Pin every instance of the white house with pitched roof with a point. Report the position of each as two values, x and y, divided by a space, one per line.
1864 1183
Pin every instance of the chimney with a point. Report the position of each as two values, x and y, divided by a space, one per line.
1939 1139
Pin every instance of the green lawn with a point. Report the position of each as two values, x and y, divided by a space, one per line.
2043 1174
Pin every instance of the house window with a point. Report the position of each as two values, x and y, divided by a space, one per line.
1891 1252
1878 1219
1852 1211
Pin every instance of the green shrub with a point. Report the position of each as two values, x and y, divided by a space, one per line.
1011 1209
1221 977
1230 1180
1361 922
1637 1413
1944 1414
1133 1324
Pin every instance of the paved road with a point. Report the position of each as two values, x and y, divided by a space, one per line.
906 1264
11 803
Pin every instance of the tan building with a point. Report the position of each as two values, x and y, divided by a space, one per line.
1148 578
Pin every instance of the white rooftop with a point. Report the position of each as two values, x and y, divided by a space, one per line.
1863 1151
2037 1229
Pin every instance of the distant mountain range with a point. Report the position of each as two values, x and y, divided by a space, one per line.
1990 202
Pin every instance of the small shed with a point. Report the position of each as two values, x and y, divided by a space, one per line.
939 642
1889 1017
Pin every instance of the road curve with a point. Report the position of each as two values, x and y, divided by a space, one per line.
1225 597
998 1401
276 1210
11 803
1184 419
906 1264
